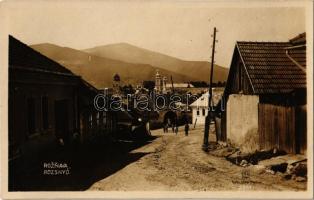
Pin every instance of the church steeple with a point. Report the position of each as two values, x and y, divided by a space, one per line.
158 82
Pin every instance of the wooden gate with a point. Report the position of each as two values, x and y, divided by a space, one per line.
277 127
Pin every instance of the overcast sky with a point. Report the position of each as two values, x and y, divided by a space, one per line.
179 29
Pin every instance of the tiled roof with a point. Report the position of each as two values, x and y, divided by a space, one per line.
269 68
23 57
299 39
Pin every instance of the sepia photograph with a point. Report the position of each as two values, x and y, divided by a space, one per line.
156 99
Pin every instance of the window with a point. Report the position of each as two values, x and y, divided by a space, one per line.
97 118
90 121
198 112
31 112
203 111
44 110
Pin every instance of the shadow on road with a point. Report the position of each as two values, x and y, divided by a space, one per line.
86 165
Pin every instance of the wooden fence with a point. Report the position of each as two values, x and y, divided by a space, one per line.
301 129
278 127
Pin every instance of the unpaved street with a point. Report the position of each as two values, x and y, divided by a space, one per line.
177 162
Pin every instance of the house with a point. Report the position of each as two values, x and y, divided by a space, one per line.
178 85
200 106
47 104
188 87
264 101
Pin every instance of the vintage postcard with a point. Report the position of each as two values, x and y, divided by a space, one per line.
156 99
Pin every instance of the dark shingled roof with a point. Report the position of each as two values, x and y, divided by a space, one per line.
269 68
23 57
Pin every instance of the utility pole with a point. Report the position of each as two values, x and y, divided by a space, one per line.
208 117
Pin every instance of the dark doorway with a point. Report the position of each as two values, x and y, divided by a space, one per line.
62 120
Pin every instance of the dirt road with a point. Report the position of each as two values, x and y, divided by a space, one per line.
177 163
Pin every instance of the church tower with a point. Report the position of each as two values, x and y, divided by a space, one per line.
164 85
157 82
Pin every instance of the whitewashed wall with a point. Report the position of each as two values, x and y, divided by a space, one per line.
242 120
200 118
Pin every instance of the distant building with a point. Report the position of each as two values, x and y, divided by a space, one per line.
157 82
200 106
164 83
179 85
160 83
265 96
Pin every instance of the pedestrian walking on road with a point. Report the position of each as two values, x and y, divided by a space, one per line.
166 128
176 129
186 129
148 128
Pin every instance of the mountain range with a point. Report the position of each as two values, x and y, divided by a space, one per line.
98 65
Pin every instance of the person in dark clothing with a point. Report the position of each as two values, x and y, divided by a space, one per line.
166 128
186 129
176 129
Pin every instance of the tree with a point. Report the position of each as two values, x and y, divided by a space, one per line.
127 89
150 85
